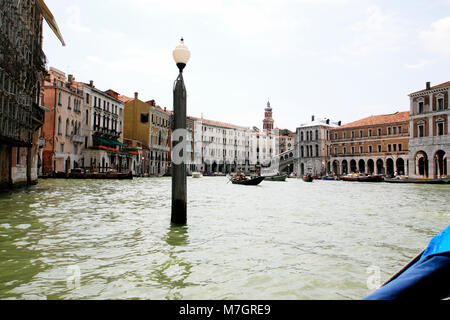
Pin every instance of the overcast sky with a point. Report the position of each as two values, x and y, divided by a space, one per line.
340 59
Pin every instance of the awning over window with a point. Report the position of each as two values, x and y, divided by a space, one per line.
50 20
44 108
110 142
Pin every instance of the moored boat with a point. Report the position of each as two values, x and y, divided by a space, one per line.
197 175
417 180
82 174
280 177
328 178
308 179
362 178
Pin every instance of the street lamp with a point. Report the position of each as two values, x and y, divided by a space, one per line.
181 55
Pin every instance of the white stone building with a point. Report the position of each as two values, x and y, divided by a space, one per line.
103 132
216 146
312 147
429 142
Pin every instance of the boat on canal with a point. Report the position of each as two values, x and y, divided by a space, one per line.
362 178
328 178
246 181
197 175
85 174
278 177
424 278
445 180
308 178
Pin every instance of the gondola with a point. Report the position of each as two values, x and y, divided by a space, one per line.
248 182
426 277
280 177
308 179
361 178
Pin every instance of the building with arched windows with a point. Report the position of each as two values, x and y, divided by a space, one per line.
429 127
374 145
63 96
312 147
22 70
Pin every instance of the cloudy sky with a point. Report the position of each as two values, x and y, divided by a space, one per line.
340 59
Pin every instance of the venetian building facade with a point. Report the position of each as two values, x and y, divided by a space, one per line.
102 130
429 128
217 146
62 129
22 70
160 132
137 131
263 149
312 147
287 141
374 145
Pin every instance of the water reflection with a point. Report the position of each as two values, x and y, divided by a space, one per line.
173 273
177 236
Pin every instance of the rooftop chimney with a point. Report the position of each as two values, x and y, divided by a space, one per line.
313 118
136 95
91 83
340 123
328 121
428 85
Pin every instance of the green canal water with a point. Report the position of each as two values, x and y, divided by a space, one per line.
113 239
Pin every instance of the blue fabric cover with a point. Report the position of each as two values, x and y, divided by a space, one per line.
438 244
427 279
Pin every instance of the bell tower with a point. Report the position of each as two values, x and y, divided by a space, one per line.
268 121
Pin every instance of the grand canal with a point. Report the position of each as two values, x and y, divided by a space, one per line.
113 239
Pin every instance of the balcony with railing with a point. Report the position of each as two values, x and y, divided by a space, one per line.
77 139
38 116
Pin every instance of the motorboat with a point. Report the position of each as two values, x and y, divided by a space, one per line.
197 175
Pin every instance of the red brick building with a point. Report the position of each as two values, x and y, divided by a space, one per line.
375 145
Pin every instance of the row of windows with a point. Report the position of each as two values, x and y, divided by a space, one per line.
107 106
440 128
307 151
440 103
370 133
76 102
223 131
19 31
14 118
160 140
73 128
156 120
390 148
224 153
309 136
108 123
